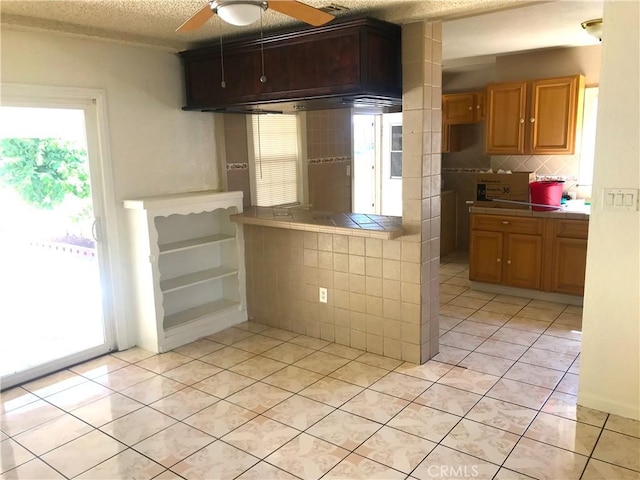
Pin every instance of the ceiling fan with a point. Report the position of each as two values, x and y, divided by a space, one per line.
245 12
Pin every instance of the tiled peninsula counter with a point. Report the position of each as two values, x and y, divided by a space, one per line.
540 254
576 213
369 265
352 224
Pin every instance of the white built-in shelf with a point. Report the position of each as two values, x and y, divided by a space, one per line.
195 313
195 278
194 243
181 297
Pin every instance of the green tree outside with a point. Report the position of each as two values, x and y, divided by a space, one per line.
44 171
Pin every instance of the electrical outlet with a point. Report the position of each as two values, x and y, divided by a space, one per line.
323 295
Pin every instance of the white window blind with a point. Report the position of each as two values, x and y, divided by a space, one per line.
276 159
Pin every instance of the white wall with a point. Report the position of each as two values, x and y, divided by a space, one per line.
548 63
155 147
554 62
610 365
469 79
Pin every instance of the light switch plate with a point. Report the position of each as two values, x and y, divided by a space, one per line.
620 199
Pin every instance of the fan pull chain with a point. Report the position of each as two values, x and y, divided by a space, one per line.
259 147
223 84
263 78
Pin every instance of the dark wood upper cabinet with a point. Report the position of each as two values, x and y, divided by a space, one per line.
353 61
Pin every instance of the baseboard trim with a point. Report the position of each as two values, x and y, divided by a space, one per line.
597 402
526 293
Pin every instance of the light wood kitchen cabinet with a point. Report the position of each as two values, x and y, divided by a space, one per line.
523 254
569 256
556 109
485 256
506 250
460 108
537 117
450 139
529 252
506 109
480 107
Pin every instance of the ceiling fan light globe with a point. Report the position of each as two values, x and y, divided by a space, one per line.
240 14
593 28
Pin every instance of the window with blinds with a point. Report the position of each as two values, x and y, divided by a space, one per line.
273 145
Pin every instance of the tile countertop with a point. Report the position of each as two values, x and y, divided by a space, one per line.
573 213
354 224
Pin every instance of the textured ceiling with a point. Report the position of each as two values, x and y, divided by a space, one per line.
472 29
531 27
153 22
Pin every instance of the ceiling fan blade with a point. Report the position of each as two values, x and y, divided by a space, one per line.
196 21
301 11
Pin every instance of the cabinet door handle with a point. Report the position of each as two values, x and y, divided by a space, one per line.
508 262
532 119
470 108
498 260
505 222
522 120
478 107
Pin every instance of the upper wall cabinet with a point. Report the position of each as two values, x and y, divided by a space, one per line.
345 63
537 117
506 109
459 108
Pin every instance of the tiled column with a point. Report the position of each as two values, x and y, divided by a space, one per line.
422 129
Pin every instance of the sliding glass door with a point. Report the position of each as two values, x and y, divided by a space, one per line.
54 277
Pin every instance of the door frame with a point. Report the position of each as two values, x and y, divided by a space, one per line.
94 104
389 187
366 175
383 186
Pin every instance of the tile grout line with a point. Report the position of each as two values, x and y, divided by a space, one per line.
502 376
352 360
552 391
285 367
338 408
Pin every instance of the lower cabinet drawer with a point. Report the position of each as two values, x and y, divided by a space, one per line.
572 228
507 224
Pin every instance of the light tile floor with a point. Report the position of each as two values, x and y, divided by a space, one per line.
251 402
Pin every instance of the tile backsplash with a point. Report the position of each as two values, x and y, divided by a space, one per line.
330 184
328 133
546 167
237 155
329 159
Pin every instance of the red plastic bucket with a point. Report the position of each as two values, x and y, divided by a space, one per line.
545 193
